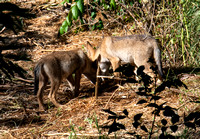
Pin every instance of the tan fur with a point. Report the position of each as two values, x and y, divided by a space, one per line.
58 66
133 49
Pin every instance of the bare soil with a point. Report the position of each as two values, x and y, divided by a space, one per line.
19 115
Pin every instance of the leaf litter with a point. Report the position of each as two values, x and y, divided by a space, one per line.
19 115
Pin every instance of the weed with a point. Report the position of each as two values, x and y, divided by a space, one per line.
73 131
175 24
59 112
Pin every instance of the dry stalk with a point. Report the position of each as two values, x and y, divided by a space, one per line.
110 98
87 135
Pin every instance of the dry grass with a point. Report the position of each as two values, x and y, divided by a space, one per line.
19 116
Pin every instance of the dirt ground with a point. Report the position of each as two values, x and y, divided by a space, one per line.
19 115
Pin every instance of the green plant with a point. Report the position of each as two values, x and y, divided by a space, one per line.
167 115
59 112
89 120
179 33
91 10
73 131
97 125
76 11
92 120
176 25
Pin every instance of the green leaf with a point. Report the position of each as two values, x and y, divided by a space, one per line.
64 24
104 15
66 28
63 2
82 21
93 15
144 128
70 15
142 101
113 4
164 122
69 1
100 24
137 117
80 5
174 128
106 7
125 112
61 30
109 112
75 12
69 20
94 27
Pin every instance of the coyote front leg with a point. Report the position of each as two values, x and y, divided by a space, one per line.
77 83
115 64
74 85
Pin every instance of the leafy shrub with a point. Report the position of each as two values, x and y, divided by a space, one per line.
163 111
176 25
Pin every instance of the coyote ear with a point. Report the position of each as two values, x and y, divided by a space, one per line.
88 43
89 48
92 53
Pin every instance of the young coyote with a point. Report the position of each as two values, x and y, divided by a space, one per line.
60 65
134 49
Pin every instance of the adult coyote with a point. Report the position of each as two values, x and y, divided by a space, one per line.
59 65
134 49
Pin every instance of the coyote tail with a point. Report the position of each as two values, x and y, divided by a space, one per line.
157 57
37 71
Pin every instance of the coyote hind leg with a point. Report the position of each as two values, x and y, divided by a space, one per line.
71 83
42 84
55 83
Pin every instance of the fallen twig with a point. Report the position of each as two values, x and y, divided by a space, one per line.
110 98
111 77
6 87
23 80
88 135
3 29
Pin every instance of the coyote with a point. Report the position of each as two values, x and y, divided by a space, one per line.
59 65
133 49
